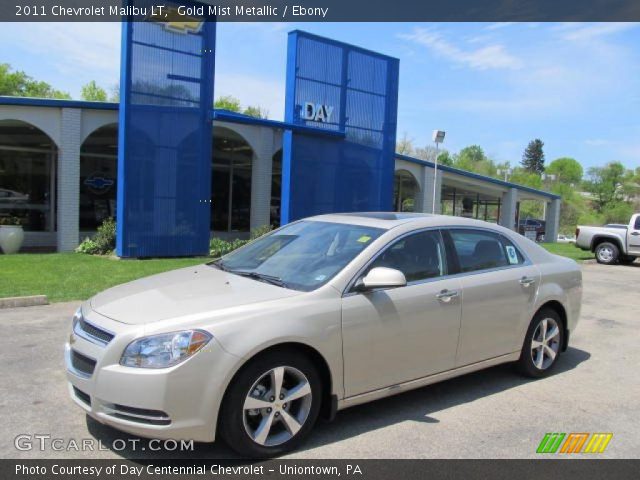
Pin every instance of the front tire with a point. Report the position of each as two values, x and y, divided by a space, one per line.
271 405
542 344
607 253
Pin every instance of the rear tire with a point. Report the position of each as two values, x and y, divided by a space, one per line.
256 420
542 344
607 253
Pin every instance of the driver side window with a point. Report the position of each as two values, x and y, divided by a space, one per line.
419 256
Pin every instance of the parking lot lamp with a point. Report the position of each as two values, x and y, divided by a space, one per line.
438 138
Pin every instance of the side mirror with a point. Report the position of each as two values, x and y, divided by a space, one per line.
381 277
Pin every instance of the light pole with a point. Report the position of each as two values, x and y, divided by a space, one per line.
438 138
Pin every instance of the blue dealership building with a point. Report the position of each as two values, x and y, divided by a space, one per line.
173 171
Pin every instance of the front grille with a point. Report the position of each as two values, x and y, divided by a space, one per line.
93 333
83 397
140 415
82 363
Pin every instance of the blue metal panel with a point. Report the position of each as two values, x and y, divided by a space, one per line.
164 154
360 89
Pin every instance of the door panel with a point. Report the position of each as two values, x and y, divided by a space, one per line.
499 287
633 237
495 308
392 336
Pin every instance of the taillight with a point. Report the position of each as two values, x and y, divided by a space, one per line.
577 232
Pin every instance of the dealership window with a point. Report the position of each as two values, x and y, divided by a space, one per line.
230 182
276 189
98 177
27 175
405 191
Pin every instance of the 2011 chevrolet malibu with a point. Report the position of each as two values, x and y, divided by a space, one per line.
317 316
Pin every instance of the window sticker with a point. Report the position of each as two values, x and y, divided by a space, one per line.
512 255
364 239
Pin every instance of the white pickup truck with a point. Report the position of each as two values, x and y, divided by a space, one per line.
611 243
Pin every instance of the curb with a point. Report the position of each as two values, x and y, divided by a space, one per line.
30 301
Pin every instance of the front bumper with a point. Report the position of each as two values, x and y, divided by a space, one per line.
180 402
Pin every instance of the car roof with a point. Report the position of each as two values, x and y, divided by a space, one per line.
389 220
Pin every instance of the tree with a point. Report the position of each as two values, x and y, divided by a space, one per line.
606 184
566 170
227 102
91 92
19 84
256 112
404 146
115 93
533 156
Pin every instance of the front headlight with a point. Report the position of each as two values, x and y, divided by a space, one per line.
76 318
164 350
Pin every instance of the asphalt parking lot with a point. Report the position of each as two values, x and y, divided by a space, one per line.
490 414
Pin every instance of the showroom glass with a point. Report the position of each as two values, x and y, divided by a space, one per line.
27 177
419 256
98 177
482 250
303 255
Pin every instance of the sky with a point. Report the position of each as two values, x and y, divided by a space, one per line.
576 86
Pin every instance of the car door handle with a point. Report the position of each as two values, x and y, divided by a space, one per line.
527 281
635 234
445 296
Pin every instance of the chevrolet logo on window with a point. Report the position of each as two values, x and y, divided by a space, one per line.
174 21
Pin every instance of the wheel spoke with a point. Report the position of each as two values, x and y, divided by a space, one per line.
535 344
555 331
277 376
301 390
290 423
543 330
262 432
539 358
550 352
252 403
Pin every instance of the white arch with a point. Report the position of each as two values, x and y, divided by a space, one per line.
46 119
93 119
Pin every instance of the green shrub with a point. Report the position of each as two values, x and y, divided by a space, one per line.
104 241
10 221
260 231
88 247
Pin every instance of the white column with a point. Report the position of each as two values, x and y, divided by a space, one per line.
427 181
508 209
261 178
68 179
552 219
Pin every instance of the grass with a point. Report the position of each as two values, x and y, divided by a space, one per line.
72 276
568 250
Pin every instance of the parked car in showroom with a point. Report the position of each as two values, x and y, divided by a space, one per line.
612 243
322 314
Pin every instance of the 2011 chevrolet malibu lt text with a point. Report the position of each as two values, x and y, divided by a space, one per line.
319 315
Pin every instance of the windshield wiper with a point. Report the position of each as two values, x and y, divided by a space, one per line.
261 277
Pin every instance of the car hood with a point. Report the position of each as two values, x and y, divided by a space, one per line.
187 291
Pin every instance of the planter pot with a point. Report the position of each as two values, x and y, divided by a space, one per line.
11 238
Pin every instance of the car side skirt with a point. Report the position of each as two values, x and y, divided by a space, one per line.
424 381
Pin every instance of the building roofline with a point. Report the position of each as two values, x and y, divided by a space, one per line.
477 176
58 103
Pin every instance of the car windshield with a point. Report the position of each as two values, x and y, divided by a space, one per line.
301 256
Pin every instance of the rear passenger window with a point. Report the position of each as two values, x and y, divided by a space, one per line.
480 250
637 224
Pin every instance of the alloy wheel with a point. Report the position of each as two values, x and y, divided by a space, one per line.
277 406
545 343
